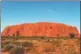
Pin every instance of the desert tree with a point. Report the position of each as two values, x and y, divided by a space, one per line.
17 35
72 35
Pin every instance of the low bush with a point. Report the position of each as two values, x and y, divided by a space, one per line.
72 35
17 50
65 38
15 42
5 42
27 44
7 47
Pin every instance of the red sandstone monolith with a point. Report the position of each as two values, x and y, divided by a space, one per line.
40 29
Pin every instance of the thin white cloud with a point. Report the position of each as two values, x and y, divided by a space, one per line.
51 10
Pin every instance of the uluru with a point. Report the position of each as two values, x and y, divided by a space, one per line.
47 29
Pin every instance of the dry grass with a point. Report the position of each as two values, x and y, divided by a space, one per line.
51 46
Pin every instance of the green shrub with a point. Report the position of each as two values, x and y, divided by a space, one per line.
27 44
17 50
65 38
7 47
16 43
5 42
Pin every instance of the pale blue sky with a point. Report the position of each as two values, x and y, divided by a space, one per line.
23 12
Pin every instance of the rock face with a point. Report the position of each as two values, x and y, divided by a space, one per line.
40 29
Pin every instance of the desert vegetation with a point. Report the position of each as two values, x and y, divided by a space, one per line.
40 45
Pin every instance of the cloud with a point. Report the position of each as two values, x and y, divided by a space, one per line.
52 10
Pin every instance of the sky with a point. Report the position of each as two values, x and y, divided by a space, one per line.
28 12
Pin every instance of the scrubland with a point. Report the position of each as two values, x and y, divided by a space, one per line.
40 45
